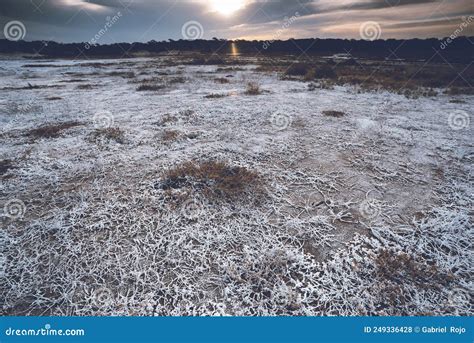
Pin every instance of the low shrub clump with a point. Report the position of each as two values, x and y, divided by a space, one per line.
325 72
253 88
5 165
401 268
335 114
170 135
108 134
85 87
52 131
150 87
216 179
221 80
124 74
299 69
215 96
166 119
324 84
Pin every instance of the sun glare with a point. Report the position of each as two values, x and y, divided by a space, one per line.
227 7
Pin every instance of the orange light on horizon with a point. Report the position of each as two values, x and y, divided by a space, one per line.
234 51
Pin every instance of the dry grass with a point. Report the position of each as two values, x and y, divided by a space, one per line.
221 80
30 87
216 179
44 66
298 69
201 59
215 96
310 72
335 114
108 134
170 136
253 88
150 87
397 272
86 87
5 165
52 131
460 91
167 118
124 74
73 81
229 69
209 59
174 80
411 79
401 268
323 84
325 72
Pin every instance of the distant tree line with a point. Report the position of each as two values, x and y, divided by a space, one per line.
458 50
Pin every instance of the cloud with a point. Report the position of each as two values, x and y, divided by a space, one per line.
144 20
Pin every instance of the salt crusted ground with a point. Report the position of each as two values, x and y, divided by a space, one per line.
368 214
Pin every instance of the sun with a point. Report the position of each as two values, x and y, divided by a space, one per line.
226 7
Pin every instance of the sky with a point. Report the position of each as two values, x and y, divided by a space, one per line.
111 21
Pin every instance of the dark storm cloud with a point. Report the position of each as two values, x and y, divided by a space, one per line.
144 20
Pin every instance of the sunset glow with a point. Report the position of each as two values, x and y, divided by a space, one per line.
227 7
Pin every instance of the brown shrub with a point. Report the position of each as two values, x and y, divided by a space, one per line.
299 69
52 131
253 88
170 135
110 134
5 165
323 84
229 69
85 87
124 74
30 87
174 80
460 91
325 72
397 272
146 87
212 178
401 268
215 96
167 118
336 114
221 80
206 60
72 81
